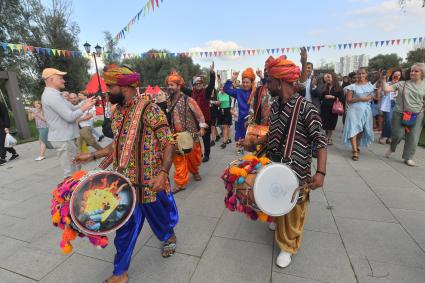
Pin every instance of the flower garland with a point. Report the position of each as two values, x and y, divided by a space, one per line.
61 217
235 176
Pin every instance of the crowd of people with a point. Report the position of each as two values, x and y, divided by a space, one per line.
180 126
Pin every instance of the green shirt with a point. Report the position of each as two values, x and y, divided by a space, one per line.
224 99
414 96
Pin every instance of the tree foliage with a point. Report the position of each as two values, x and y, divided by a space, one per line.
385 61
415 56
31 22
112 53
155 70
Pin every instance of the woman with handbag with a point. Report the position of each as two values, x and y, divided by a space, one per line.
358 128
331 106
408 116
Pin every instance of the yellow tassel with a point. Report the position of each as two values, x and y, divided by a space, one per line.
263 217
67 249
56 217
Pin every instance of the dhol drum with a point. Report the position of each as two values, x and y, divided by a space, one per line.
92 204
261 189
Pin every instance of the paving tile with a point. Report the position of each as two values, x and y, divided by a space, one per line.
10 277
149 266
80 268
414 222
321 257
227 260
365 206
379 241
193 233
372 271
319 218
236 226
285 278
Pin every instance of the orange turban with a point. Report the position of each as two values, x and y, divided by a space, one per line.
249 74
283 69
174 77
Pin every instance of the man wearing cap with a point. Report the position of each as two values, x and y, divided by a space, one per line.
142 151
202 96
302 131
62 118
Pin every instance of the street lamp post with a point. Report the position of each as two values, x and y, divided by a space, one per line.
98 52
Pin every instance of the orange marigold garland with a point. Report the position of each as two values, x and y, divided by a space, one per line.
236 175
61 217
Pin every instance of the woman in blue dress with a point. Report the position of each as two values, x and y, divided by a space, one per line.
358 128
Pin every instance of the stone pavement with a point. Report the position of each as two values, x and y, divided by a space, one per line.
366 225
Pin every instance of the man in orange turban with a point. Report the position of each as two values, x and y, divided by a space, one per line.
295 150
184 115
242 95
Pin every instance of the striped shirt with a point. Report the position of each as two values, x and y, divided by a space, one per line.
309 130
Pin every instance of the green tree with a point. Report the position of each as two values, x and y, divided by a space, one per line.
384 61
414 56
113 53
155 70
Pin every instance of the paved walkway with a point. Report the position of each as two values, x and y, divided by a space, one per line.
367 225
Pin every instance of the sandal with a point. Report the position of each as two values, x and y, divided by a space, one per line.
197 177
330 142
355 156
178 189
169 248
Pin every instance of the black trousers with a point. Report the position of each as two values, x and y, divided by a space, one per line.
206 139
2 148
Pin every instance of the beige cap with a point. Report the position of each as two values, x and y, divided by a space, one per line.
48 72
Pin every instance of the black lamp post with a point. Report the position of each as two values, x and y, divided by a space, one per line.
95 54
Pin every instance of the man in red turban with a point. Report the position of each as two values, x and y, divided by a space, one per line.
295 150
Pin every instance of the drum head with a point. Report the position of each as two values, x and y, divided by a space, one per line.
273 189
102 202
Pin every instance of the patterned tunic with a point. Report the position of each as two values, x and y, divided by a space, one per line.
145 159
309 130
191 112
262 117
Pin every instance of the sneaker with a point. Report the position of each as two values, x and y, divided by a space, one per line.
2 161
101 138
382 141
410 162
40 158
388 141
283 259
205 159
388 153
212 143
229 141
14 156
223 145
272 226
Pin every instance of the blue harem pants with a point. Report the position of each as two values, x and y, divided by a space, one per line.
162 217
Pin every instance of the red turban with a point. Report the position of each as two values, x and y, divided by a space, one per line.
174 77
249 74
282 69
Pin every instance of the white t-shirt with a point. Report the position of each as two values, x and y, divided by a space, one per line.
90 122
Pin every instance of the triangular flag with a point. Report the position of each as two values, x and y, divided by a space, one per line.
18 47
398 41
268 51
339 46
387 42
376 43
11 46
273 51
157 4
349 45
243 52
287 49
292 50
210 54
414 40
360 45
153 5
409 40
54 51
249 52
345 45
382 42
420 39
253 52
404 41
318 48
355 45
215 53
392 42
239 52
4 45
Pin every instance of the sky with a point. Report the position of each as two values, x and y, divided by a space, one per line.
184 25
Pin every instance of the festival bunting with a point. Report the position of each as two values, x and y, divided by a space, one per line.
150 5
280 50
27 49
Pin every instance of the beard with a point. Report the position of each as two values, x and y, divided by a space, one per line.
116 99
274 93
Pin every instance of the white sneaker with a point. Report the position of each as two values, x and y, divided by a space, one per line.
388 153
283 259
410 162
272 226
40 158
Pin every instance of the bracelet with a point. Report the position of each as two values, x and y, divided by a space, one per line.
165 171
321 173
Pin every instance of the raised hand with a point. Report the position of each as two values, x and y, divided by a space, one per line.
259 73
235 76
303 56
212 68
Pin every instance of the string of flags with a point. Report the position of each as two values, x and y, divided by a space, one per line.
277 51
28 49
149 6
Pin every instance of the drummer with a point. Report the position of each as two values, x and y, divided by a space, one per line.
283 74
142 151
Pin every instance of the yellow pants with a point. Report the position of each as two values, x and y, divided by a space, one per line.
290 227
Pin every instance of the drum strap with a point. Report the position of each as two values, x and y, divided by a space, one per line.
290 130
